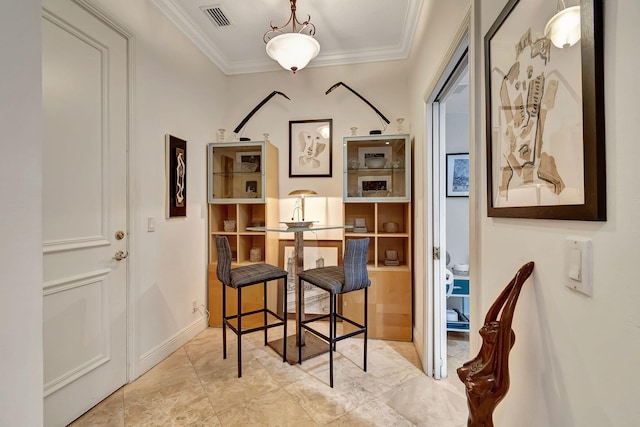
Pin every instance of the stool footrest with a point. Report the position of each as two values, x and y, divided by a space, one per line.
361 329
257 328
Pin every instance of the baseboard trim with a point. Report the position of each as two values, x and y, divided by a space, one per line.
162 351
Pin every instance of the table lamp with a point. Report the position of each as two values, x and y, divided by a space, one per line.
302 194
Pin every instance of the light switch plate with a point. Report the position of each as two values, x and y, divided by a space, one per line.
578 263
151 224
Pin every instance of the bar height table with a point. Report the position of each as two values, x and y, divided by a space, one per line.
311 345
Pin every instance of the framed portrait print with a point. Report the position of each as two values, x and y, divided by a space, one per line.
545 115
310 151
458 175
176 172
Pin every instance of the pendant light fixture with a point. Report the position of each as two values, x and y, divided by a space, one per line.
563 29
293 50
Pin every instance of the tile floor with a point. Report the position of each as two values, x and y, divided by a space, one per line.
195 386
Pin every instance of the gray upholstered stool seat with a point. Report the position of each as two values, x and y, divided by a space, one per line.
253 274
241 277
331 279
351 276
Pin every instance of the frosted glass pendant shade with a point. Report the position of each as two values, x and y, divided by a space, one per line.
564 27
293 51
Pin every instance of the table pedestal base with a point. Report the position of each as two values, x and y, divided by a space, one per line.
313 347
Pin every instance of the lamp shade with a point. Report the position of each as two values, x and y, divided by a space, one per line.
303 193
293 51
564 27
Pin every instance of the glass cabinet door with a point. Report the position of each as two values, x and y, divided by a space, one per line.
377 168
236 172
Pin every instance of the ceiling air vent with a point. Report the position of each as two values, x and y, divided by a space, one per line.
217 15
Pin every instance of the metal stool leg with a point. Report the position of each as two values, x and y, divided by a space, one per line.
366 311
335 327
332 336
239 332
284 317
264 310
224 321
299 322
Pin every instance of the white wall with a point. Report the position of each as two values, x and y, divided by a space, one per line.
384 84
574 360
177 90
21 217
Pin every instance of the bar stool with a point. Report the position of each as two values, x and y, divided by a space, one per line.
239 278
352 276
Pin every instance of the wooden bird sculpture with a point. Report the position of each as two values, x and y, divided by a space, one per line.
486 377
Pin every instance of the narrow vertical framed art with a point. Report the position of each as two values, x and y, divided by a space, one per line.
545 115
176 175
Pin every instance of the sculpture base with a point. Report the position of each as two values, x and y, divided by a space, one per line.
313 346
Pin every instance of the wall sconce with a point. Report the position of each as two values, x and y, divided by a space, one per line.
563 29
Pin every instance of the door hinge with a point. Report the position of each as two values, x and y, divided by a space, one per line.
436 253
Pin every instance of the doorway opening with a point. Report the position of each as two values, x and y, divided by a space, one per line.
456 206
448 110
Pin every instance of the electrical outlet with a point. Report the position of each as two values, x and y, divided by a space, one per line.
194 305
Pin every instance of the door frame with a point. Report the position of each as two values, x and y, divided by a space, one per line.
435 295
131 261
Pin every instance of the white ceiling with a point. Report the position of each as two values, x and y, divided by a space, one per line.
349 31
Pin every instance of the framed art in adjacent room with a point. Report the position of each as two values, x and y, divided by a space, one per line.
176 165
310 151
545 114
458 175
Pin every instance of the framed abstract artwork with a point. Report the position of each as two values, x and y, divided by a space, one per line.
545 115
176 172
310 151
458 175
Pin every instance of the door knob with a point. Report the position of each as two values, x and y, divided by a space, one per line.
120 255
119 235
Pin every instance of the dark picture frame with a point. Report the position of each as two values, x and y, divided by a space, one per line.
310 148
176 171
458 175
545 116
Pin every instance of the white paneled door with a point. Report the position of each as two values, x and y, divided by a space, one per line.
85 104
